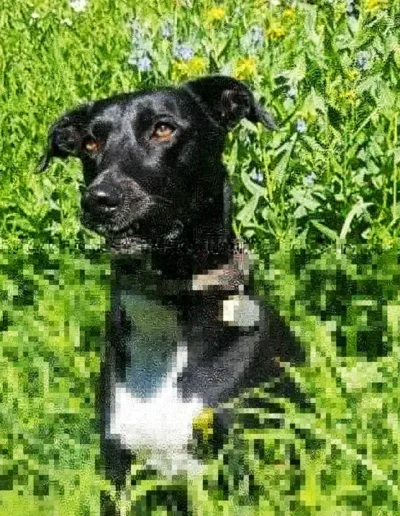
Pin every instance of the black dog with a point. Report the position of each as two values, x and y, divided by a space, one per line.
185 331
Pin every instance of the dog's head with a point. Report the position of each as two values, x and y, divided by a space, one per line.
152 160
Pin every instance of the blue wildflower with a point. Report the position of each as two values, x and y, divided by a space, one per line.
253 39
141 47
166 30
309 180
140 39
256 35
184 52
362 60
257 176
301 126
142 63
138 32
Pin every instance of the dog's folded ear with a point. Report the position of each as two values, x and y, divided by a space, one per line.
228 101
65 136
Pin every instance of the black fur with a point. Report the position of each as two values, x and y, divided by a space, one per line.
167 201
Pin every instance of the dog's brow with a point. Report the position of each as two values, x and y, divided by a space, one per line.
164 103
101 127
171 105
141 114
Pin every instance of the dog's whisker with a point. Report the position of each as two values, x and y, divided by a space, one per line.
160 198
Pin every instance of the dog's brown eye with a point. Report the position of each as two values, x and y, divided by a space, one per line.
92 146
162 132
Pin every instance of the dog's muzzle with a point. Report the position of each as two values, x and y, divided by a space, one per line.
129 218
109 209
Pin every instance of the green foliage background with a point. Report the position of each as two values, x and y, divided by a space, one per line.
328 177
315 64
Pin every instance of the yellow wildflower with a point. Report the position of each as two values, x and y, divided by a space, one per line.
184 69
352 74
349 96
275 32
376 4
180 70
245 68
197 64
216 13
289 12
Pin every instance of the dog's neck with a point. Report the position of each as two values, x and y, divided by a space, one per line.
180 259
204 243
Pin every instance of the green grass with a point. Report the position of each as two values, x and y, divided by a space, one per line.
336 455
327 180
52 308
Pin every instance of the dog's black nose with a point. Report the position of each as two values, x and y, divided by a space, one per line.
100 199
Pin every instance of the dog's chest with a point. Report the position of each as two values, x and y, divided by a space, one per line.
148 411
148 414
151 343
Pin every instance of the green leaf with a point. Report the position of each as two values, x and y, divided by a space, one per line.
281 167
250 185
303 198
356 211
332 235
246 214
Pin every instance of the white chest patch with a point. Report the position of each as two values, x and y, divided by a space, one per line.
161 425
241 310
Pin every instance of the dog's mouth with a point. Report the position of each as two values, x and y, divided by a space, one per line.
127 238
136 236
133 224
125 242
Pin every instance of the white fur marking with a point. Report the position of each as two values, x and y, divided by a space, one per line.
161 425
